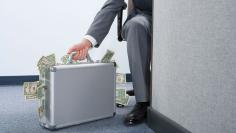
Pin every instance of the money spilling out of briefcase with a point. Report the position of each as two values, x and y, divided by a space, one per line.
78 93
73 92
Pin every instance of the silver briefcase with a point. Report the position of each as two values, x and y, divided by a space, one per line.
78 93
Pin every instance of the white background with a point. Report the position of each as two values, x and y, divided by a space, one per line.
30 29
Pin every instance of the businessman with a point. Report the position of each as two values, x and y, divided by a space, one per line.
137 32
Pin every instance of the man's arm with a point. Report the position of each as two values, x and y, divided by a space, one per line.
98 29
104 19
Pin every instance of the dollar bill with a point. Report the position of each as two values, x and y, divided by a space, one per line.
64 59
40 61
120 78
51 59
68 59
41 91
42 108
46 62
30 97
40 111
107 57
121 97
35 90
45 74
30 90
43 64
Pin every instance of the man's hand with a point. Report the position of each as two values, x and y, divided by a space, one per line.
81 49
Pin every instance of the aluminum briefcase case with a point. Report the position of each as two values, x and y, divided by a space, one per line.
78 93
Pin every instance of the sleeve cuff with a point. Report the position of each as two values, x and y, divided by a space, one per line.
91 39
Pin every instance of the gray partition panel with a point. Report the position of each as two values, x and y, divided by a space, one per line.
194 63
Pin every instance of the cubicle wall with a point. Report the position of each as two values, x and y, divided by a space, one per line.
194 66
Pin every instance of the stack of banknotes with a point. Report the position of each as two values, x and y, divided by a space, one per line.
36 90
122 98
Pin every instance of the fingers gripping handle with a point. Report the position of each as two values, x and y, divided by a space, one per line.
70 58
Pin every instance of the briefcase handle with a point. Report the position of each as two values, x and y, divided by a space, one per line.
89 59
69 60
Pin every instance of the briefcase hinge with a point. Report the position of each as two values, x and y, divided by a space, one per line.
115 65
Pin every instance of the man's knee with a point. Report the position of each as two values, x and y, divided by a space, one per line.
139 24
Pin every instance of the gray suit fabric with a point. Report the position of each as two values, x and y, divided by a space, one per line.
104 19
137 33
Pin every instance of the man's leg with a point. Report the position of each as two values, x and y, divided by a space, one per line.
137 33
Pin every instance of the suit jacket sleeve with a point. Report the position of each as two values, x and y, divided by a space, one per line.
104 19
